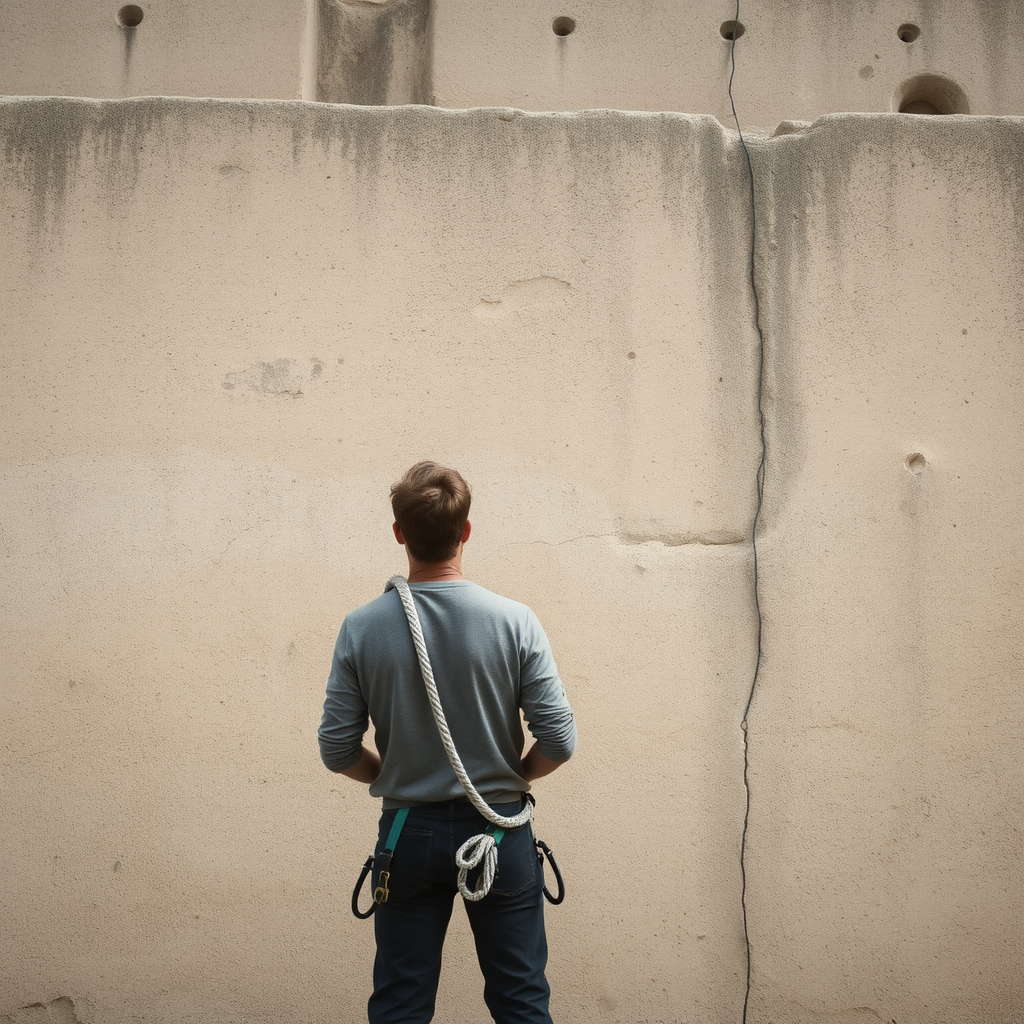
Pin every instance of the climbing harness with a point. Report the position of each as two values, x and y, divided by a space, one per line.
380 894
480 850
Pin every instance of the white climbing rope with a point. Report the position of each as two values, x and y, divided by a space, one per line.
481 848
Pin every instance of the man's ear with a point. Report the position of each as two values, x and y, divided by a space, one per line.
466 530
397 530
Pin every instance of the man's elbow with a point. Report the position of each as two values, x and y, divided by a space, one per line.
557 755
339 760
560 746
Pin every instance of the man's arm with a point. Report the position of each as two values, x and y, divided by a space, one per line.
545 706
345 720
367 768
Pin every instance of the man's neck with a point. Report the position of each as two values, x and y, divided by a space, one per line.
426 572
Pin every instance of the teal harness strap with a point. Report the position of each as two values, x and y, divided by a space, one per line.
396 830
380 894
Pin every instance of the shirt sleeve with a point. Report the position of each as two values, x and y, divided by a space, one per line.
346 717
542 696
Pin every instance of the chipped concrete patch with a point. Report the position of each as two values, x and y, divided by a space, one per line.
57 1011
283 377
534 291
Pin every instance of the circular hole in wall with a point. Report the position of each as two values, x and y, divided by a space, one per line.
129 16
908 33
931 94
732 30
915 463
563 26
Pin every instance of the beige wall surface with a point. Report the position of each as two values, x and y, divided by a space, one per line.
228 326
794 60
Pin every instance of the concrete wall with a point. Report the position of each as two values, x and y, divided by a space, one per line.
227 327
795 60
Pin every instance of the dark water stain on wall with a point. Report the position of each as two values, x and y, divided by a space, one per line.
42 150
66 154
373 54
128 35
47 140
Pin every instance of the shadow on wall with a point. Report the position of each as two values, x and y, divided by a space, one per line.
373 54
930 94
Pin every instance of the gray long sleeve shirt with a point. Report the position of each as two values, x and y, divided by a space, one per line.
491 660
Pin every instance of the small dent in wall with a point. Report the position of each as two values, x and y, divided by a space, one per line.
534 291
915 463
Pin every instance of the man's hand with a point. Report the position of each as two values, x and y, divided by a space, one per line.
366 769
536 765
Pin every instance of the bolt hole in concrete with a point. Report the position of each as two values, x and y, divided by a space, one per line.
732 30
915 463
563 26
129 16
908 33
930 94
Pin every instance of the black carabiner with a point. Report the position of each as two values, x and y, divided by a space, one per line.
367 868
544 851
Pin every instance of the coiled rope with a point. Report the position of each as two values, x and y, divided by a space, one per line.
480 849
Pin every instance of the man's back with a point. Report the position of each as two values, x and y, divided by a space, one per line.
490 659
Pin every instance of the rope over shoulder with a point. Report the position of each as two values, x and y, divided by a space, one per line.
481 848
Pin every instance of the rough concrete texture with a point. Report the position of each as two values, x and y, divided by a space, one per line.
227 327
797 60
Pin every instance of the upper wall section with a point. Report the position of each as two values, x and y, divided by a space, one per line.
794 60
100 48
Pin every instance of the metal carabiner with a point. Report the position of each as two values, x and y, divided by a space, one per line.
381 893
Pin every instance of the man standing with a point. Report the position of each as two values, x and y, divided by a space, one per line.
491 661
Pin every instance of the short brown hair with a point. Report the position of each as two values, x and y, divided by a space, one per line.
431 505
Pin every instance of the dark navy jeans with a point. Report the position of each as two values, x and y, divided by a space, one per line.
508 923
